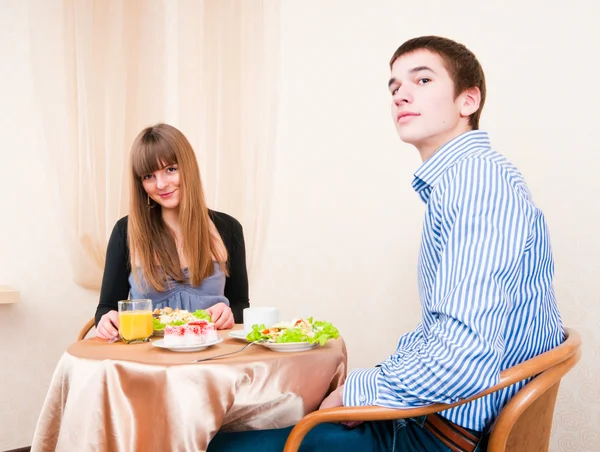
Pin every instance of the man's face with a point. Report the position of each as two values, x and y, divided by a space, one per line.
424 108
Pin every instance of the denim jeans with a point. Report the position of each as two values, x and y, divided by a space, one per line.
403 435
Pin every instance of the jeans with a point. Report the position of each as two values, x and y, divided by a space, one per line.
402 435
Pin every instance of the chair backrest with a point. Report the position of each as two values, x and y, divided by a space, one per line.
524 424
86 329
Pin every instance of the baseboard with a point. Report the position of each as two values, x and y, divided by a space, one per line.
20 449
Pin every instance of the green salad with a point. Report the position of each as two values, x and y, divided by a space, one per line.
302 330
175 317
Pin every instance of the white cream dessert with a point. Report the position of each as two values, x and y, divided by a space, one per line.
199 332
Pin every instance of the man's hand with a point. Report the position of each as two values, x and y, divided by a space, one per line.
221 316
335 399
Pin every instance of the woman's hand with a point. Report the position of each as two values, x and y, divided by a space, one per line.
108 326
221 316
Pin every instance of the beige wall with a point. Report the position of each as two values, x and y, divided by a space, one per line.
345 229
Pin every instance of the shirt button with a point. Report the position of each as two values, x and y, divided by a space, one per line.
362 398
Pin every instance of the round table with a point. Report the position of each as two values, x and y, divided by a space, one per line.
136 397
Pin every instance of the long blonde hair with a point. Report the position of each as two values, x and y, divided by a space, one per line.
152 244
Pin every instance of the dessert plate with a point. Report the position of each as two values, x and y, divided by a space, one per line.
185 348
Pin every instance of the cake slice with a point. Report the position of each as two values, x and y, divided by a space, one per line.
199 332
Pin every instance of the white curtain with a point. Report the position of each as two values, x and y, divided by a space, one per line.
104 69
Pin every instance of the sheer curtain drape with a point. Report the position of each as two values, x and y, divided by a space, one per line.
105 69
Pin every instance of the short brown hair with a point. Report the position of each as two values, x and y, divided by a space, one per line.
462 65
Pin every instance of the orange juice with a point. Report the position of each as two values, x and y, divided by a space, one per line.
135 325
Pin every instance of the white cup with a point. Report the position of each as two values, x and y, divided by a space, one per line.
260 315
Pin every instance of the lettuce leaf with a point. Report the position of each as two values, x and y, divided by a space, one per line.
255 334
156 325
323 332
202 315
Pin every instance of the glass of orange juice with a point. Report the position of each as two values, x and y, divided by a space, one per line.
135 320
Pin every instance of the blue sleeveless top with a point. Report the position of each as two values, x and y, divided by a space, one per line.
184 295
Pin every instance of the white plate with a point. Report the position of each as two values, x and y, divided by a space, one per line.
289 346
238 334
184 348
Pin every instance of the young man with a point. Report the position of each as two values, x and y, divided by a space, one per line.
485 273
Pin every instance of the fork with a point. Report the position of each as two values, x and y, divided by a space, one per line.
226 354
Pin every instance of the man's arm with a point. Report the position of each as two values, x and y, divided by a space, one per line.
484 233
361 385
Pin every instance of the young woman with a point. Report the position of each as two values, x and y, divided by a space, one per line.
171 248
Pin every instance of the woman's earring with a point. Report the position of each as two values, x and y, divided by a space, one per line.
151 204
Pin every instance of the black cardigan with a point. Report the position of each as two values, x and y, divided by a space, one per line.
115 281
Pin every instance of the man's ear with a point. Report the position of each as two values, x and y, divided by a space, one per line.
469 101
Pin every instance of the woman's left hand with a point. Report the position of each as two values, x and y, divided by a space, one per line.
221 316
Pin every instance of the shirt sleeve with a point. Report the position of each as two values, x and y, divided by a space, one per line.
115 280
360 387
483 230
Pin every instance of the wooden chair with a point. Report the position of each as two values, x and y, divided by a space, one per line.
86 329
524 423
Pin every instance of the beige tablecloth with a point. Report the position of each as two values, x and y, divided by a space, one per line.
118 397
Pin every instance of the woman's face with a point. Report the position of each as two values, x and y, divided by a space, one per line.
163 186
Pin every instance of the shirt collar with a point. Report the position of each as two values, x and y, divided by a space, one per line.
432 169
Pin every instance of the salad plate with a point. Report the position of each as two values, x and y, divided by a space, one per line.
289 346
185 348
295 336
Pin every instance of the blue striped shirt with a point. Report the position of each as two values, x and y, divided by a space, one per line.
485 284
